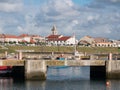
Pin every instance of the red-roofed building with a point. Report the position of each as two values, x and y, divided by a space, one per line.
8 38
24 37
2 38
32 41
31 38
55 39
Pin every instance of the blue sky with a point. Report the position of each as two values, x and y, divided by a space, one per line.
97 18
82 2
33 2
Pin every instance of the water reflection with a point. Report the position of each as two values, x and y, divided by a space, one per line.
9 84
113 85
61 78
35 85
68 73
6 83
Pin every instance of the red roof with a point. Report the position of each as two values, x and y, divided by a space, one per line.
32 41
23 35
27 35
57 38
10 36
64 38
53 36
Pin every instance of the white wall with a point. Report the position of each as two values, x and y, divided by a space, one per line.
11 39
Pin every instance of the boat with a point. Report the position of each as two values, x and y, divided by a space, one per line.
61 57
5 69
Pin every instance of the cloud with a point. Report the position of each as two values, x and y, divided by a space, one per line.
10 5
96 18
59 12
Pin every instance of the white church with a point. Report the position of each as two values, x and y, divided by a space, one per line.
56 39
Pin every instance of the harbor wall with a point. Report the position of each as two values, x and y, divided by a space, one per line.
35 70
113 69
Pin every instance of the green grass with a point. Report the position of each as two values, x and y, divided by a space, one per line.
99 49
12 49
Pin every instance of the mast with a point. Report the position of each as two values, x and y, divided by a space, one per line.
74 44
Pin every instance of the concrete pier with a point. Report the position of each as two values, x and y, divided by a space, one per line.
20 55
110 56
113 69
35 70
6 54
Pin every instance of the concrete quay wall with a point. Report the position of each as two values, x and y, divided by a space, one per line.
113 69
37 69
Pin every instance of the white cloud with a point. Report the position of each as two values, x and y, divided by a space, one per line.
69 2
60 5
83 20
10 7
75 22
90 18
69 18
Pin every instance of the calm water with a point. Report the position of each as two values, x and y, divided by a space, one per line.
61 78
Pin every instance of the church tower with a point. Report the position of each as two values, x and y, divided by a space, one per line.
54 31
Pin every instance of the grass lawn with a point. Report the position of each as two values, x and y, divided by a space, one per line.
12 49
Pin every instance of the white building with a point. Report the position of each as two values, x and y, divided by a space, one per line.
8 38
55 39
31 38
24 38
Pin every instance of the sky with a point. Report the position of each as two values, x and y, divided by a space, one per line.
96 18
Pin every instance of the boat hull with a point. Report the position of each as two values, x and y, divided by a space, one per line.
4 70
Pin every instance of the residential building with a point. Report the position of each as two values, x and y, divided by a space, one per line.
24 38
102 42
2 38
96 41
86 40
116 43
8 38
31 38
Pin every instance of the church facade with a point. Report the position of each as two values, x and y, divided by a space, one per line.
55 39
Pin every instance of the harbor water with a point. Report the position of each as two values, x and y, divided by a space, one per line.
61 78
